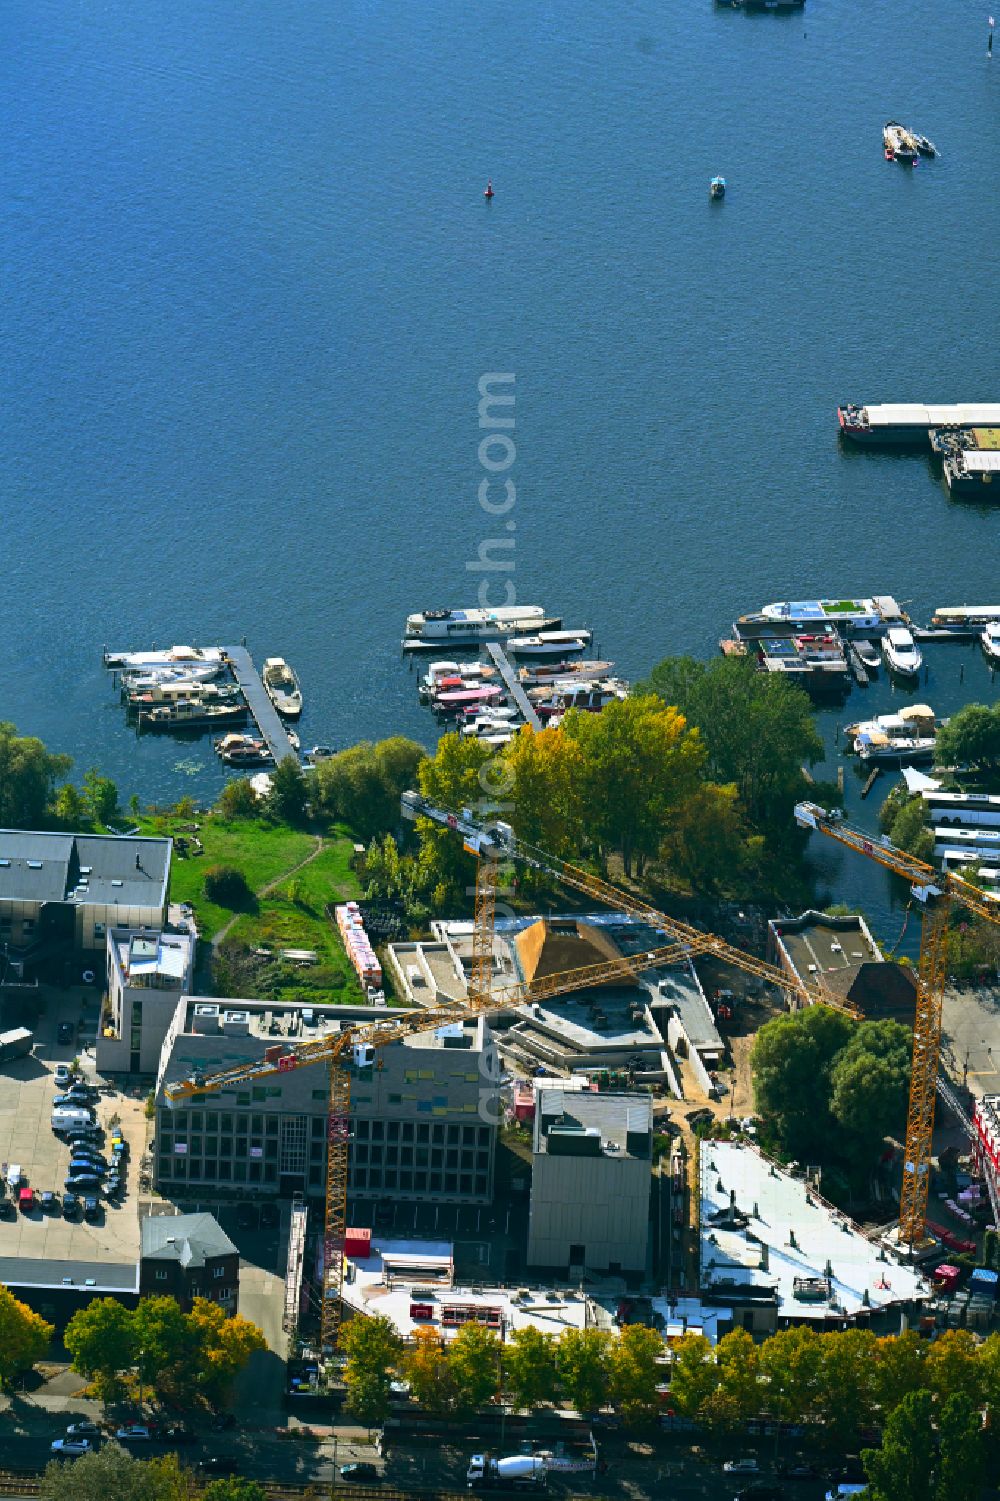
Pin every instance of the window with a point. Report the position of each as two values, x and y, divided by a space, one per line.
161 1276
319 1094
395 1099
218 1271
577 1255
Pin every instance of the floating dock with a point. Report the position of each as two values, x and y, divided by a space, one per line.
908 424
508 672
262 711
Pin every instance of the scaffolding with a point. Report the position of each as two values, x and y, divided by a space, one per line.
296 1262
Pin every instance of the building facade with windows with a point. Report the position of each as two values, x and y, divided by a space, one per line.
188 1256
147 973
60 894
424 1111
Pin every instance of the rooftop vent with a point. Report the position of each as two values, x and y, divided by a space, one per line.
34 864
116 882
206 1019
236 1023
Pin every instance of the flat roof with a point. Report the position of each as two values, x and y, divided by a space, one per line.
980 461
790 1236
828 943
98 869
622 1119
548 1311
680 988
87 1276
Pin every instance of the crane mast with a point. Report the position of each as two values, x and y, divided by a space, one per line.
938 892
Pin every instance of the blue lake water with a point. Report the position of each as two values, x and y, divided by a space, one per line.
250 283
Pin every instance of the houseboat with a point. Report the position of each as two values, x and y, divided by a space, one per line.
989 640
190 714
282 687
436 628
965 620
908 423
899 143
174 656
850 615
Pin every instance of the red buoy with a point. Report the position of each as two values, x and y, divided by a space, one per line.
489 190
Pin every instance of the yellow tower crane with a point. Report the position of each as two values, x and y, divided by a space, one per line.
938 892
358 1045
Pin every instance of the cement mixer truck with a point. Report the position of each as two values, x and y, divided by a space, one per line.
517 1472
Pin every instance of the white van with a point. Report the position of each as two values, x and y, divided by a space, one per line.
70 1115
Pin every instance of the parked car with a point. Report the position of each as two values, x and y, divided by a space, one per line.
81 1180
358 1471
63 1074
88 1135
71 1448
798 1470
84 1428
96 1170
133 1433
25 1200
92 1210
80 1152
7 1210
66 1034
219 1464
741 1467
269 1216
48 1203
71 1206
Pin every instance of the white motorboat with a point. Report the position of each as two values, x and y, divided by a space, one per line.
319 753
158 677
549 643
469 627
990 641
875 745
282 687
901 652
496 731
173 656
868 653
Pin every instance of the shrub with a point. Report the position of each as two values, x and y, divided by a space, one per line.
227 886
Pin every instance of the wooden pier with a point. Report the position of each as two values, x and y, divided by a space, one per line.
507 671
262 711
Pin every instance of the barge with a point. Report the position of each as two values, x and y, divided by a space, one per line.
848 616
907 424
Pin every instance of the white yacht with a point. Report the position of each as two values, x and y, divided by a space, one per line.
989 640
174 656
901 652
548 643
282 687
431 628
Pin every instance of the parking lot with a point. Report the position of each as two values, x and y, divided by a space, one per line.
27 1090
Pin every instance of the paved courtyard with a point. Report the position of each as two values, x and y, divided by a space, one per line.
971 1037
27 1089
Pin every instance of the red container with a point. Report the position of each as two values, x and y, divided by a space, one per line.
358 1244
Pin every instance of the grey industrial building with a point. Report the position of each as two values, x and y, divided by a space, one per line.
840 953
424 1111
60 893
147 973
591 1182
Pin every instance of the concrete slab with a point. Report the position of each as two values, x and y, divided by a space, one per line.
971 1037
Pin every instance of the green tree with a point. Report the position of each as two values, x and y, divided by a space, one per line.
70 806
227 887
707 844
737 1397
101 1341
970 738
582 1367
101 796
902 1470
28 775
870 1082
24 1336
429 1373
757 729
462 773
361 786
529 1363
640 761
694 1375
899 1369
962 1457
238 800
474 1362
165 1353
372 1348
548 794
791 1063
847 1395
234 1488
634 1373
907 826
289 792
790 1367
111 1474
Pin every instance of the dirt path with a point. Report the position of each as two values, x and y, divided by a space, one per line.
270 886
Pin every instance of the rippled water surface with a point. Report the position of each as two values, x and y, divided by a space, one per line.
250 283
